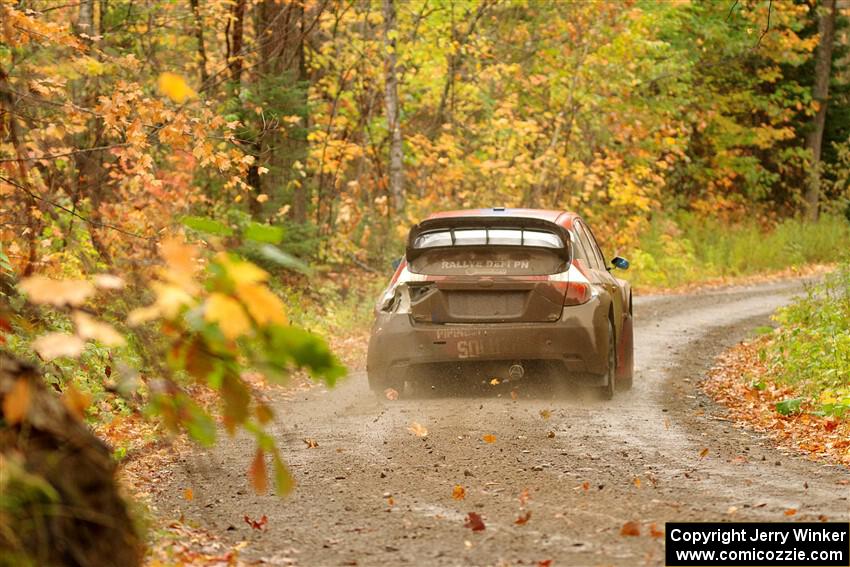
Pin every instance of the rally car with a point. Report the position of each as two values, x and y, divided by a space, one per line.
503 293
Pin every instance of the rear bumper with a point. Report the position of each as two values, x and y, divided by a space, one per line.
576 343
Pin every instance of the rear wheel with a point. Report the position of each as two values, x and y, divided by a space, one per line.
609 389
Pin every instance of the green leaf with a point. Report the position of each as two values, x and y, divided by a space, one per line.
263 233
789 406
281 258
291 345
200 425
208 226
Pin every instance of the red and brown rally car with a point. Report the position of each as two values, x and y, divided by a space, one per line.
499 293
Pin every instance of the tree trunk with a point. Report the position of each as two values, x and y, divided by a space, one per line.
85 19
396 170
199 37
820 93
283 68
234 62
64 506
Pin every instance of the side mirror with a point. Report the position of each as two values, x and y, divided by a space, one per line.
620 263
397 262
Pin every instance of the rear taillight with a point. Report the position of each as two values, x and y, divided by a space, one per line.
578 293
574 283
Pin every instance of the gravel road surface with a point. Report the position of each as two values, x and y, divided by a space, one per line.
373 493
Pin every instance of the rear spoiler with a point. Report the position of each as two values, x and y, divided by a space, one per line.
518 223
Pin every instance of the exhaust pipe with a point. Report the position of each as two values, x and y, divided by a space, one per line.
516 371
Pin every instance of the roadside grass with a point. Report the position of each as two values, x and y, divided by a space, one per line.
690 249
794 381
810 351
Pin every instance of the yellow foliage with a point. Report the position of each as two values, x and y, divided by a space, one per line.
175 87
229 315
263 305
240 271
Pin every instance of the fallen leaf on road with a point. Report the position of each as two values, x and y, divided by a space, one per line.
544 563
418 430
458 492
585 485
703 453
514 394
545 414
637 482
188 494
391 394
790 511
524 497
655 532
257 524
823 518
474 522
311 443
731 510
630 529
489 438
523 519
495 382
551 435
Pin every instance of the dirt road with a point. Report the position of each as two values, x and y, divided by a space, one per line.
373 493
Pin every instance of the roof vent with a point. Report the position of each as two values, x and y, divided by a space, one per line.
499 209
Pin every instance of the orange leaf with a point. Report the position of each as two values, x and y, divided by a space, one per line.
545 414
391 394
188 494
257 524
655 532
790 511
17 402
76 401
489 438
637 482
703 453
585 485
418 429
630 529
257 473
523 519
458 492
474 522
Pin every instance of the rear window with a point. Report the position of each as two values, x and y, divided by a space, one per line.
494 260
488 236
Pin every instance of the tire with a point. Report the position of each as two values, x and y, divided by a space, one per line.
609 389
627 374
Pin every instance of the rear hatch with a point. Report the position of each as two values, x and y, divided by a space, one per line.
487 270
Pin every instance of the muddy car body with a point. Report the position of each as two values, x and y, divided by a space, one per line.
501 293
